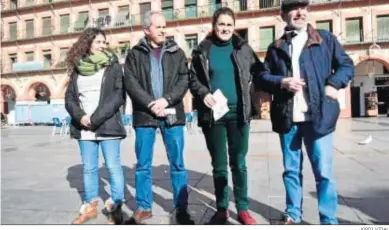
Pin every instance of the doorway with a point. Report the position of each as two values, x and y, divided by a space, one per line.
383 99
355 102
9 102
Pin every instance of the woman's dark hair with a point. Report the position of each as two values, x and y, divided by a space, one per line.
222 11
82 47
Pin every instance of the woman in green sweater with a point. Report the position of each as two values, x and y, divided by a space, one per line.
224 61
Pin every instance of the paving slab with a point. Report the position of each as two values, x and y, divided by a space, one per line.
43 173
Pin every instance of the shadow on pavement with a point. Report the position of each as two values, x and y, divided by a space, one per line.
75 179
255 206
360 204
199 195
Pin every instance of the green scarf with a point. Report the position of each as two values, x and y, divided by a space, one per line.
89 65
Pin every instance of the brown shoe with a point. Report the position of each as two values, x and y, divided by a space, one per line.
141 215
87 212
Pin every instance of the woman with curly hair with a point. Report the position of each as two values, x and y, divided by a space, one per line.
93 100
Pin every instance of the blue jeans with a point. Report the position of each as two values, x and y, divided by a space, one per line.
173 138
320 152
90 159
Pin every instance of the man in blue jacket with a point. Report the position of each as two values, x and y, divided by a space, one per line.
304 70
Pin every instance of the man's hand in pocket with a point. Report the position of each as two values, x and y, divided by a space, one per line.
331 92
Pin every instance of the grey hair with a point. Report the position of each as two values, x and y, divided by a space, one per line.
147 18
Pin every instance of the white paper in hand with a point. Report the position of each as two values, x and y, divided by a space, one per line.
221 107
170 111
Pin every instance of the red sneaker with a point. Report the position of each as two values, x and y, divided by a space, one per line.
244 217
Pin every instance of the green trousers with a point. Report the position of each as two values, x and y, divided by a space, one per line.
228 131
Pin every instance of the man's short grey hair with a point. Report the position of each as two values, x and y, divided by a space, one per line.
147 18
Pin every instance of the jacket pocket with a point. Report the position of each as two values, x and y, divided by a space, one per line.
280 117
75 129
329 115
246 76
112 127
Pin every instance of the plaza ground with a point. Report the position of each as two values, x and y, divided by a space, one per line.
41 177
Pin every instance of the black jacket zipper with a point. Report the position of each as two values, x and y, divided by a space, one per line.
102 90
234 54
206 71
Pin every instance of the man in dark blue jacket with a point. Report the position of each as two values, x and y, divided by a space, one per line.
304 70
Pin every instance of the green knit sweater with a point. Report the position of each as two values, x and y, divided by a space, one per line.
223 73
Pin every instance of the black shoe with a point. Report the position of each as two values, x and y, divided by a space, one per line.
287 220
131 221
183 217
116 216
219 218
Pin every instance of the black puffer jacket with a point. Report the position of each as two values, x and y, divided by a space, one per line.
244 59
106 120
137 82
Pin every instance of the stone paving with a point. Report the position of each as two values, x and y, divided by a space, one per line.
41 177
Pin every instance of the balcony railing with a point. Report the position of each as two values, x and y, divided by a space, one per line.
61 64
169 14
29 33
33 3
27 66
383 34
384 38
237 5
13 36
269 4
213 8
354 35
18 67
190 12
263 4
353 40
125 20
240 6
331 1
47 31
29 3
13 5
